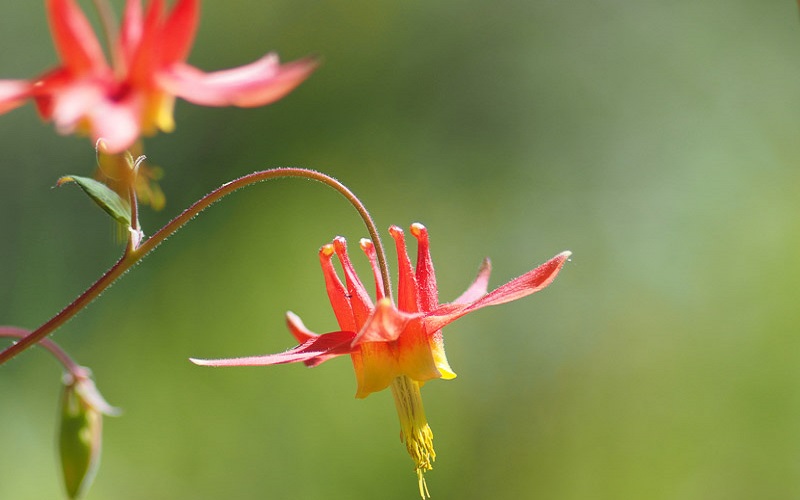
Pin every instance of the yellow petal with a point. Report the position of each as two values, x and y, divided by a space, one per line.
375 367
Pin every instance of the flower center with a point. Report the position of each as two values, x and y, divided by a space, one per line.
414 429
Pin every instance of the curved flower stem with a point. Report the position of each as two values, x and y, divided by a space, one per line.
132 255
74 369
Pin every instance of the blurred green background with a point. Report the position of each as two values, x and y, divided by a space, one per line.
656 140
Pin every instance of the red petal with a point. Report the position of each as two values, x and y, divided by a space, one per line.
73 102
144 62
84 104
74 38
369 250
131 30
385 324
116 123
519 287
303 334
13 93
427 292
407 282
47 87
357 293
328 345
179 30
479 287
298 329
256 84
337 293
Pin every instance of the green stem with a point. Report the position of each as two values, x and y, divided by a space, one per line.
133 255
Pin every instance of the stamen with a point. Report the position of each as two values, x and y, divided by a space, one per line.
414 429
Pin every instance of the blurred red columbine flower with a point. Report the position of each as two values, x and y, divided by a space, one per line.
135 95
396 345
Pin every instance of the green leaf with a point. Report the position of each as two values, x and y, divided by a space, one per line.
103 195
80 438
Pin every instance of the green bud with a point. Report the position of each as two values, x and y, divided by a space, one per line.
80 436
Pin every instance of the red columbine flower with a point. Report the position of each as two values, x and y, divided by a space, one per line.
136 94
396 345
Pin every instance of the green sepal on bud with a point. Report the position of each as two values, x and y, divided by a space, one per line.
80 433
105 197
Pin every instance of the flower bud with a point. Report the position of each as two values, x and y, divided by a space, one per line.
80 433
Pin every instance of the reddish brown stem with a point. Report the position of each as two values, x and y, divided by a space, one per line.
133 255
76 370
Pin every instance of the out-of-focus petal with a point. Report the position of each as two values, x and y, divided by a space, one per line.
72 103
329 345
519 287
256 84
178 31
84 106
13 93
144 59
74 38
117 123
158 113
130 32
46 88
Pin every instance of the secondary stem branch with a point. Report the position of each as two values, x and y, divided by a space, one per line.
133 255
68 363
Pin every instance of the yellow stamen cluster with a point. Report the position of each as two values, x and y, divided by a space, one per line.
414 429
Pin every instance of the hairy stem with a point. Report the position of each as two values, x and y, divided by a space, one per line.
67 362
133 255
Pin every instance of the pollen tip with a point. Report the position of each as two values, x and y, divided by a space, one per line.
366 244
566 254
395 230
326 250
418 229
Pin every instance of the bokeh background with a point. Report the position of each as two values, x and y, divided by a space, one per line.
656 140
